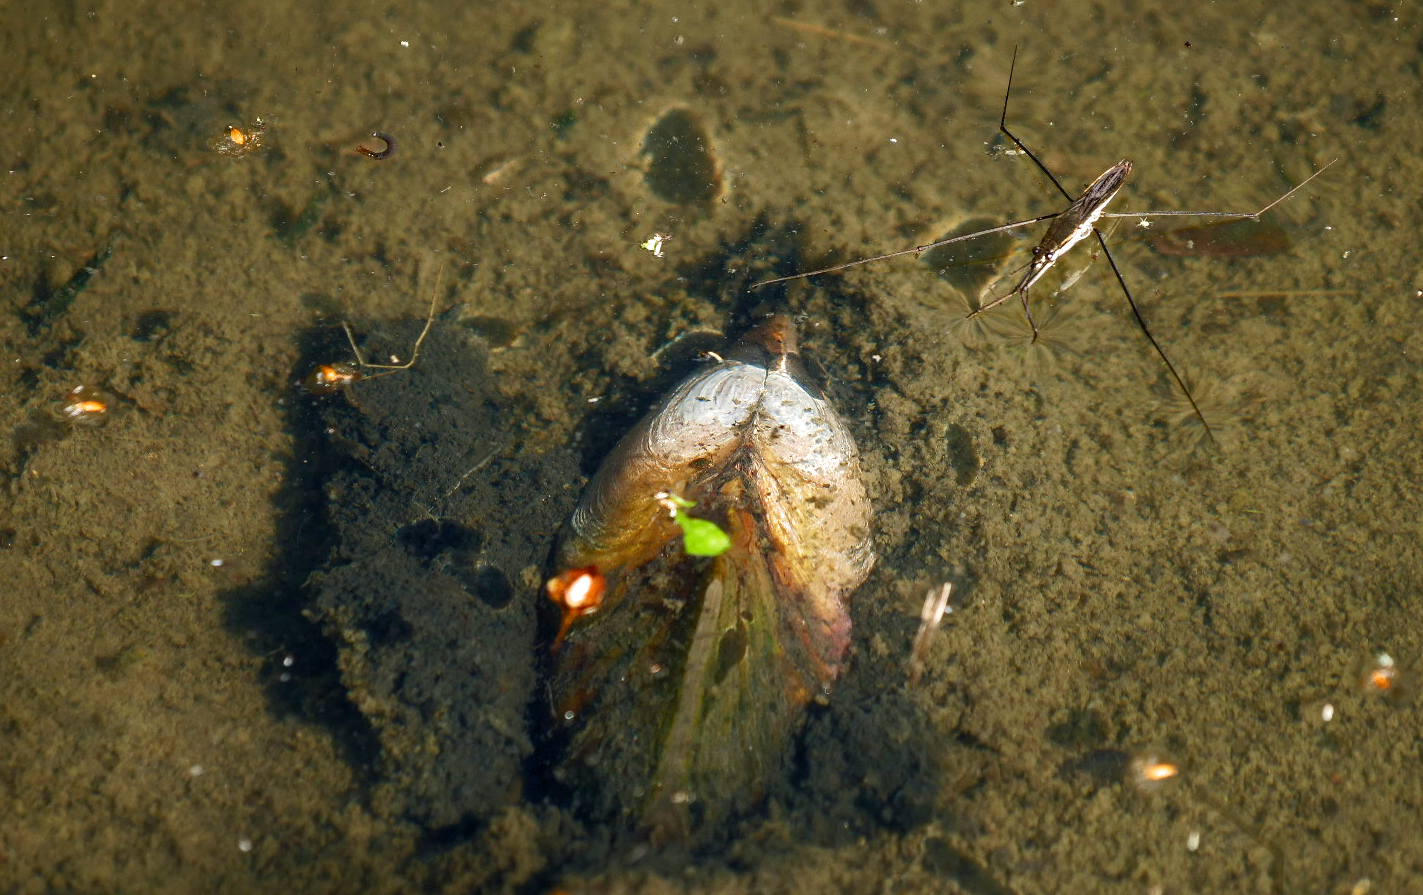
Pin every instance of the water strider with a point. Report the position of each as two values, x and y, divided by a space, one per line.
1069 227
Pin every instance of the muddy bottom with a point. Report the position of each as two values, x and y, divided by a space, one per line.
258 638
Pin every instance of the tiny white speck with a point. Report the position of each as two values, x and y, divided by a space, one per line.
288 661
1193 841
216 563
405 43
195 771
244 844
594 400
876 357
894 139
1326 712
568 716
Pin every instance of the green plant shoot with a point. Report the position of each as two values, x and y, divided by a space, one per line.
700 537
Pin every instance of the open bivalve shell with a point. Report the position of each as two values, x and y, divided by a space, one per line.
679 696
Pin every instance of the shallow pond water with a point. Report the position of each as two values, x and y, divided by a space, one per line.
256 638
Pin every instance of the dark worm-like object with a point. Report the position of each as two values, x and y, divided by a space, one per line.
385 153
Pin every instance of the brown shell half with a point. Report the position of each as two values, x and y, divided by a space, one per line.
682 692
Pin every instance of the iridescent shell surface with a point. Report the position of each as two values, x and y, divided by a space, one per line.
680 695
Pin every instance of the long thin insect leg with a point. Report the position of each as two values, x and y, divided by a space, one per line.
1028 312
917 250
1238 215
1141 322
355 349
419 340
1003 126
993 303
1022 293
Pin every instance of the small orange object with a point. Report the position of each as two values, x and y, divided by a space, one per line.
379 154
1382 679
85 405
238 142
579 592
1147 771
1381 676
328 379
85 408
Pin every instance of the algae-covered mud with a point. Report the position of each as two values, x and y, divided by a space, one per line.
259 638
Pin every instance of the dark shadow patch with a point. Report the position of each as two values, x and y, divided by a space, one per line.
681 166
299 663
942 858
409 509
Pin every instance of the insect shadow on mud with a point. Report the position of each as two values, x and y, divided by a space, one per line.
1069 227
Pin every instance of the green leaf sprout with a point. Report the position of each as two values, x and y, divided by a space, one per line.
700 537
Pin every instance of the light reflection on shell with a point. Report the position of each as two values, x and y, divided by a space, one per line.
682 692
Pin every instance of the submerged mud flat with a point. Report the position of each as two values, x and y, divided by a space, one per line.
1118 591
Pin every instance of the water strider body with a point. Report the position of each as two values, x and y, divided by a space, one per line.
1068 228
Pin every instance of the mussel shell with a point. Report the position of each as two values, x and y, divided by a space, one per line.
681 694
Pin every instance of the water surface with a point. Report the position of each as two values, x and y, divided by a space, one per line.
182 710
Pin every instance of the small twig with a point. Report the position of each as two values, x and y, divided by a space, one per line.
1284 293
936 605
822 31
475 468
